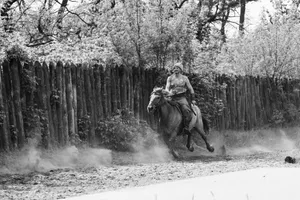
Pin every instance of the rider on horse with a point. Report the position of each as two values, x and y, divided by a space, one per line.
177 85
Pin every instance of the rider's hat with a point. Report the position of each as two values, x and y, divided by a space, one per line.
178 65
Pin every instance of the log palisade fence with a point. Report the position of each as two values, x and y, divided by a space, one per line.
51 100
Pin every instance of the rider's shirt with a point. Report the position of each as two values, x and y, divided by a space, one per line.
177 85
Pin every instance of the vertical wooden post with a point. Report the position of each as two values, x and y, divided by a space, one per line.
136 92
74 102
80 88
240 103
113 83
104 92
98 92
130 89
28 94
89 102
15 64
47 106
64 107
4 131
145 94
59 103
108 89
70 106
118 91
124 83
54 98
93 105
41 102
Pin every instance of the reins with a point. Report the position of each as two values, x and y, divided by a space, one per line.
161 102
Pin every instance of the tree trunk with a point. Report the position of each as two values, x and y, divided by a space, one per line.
242 17
60 13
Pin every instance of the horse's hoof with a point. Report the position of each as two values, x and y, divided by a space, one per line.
175 154
211 149
191 149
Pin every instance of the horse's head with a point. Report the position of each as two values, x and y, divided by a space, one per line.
157 98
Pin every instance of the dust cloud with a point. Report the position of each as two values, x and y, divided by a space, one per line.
256 141
150 149
33 159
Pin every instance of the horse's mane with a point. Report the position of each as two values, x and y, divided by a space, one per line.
161 91
166 94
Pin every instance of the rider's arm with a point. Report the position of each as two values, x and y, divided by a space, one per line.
189 86
168 84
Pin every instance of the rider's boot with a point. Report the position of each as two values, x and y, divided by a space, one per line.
186 122
187 117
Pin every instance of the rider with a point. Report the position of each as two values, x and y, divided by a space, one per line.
177 85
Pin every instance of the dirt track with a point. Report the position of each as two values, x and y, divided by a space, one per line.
50 180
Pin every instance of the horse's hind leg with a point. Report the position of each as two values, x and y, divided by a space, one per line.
189 142
209 147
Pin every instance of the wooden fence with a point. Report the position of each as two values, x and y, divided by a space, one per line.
60 96
252 102
51 100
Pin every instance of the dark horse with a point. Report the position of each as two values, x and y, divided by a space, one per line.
170 120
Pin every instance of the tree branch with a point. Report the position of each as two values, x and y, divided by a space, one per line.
177 7
40 43
92 24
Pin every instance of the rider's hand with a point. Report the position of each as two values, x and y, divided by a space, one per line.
194 102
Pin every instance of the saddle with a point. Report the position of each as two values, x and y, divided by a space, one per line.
178 107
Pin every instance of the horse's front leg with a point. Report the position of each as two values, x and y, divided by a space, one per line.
169 140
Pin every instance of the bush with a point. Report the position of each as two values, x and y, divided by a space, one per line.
122 132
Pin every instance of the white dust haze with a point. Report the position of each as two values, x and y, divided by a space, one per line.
257 141
32 159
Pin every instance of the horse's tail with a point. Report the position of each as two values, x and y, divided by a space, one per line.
205 125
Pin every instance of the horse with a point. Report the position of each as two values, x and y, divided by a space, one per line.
171 120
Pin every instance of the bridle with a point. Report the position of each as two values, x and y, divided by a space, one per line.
161 100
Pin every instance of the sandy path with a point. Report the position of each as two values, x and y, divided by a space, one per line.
62 183
72 172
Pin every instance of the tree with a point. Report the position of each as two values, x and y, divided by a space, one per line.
4 14
271 50
242 16
211 12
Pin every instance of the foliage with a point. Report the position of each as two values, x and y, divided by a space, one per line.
206 53
31 117
133 32
271 50
292 113
12 46
277 118
84 124
123 132
211 106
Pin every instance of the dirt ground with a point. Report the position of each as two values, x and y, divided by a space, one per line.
32 174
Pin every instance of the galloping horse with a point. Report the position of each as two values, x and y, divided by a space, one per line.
170 120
